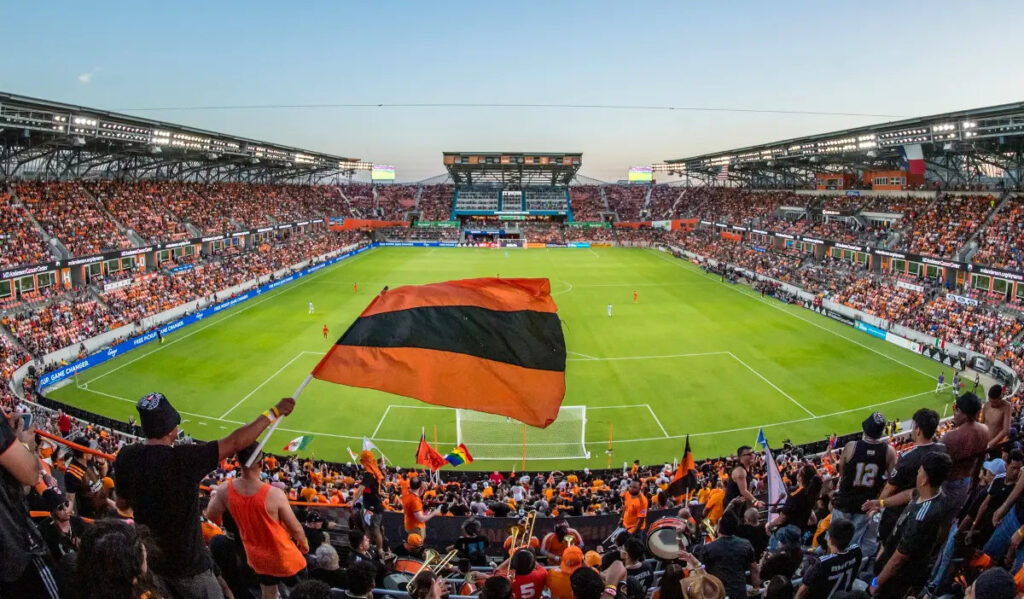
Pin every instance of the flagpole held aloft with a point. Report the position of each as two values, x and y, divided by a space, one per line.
273 427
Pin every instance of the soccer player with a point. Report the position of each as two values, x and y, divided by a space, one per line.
942 381
325 331
310 308
355 287
636 297
609 310
956 383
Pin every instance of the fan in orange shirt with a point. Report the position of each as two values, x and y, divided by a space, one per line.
634 508
554 543
715 506
558 579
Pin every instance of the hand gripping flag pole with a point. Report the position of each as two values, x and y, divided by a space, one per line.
450 343
273 426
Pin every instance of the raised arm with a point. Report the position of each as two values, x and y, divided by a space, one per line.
245 436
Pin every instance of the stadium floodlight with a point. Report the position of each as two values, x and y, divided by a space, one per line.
155 149
78 141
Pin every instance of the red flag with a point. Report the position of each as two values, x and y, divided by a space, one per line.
428 456
452 343
686 474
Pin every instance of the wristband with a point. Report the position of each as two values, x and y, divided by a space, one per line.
269 416
881 503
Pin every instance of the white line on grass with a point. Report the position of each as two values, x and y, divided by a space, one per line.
231 315
381 421
267 380
773 385
565 291
658 422
658 357
576 353
810 322
593 252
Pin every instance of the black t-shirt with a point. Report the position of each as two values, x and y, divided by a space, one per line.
59 542
797 509
905 478
229 554
728 558
781 563
832 573
916 536
371 493
756 535
161 484
500 510
19 539
80 480
459 509
640 573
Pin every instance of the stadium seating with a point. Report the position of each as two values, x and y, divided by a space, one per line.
139 207
436 202
1002 241
66 211
360 200
942 229
20 241
587 203
393 201
626 201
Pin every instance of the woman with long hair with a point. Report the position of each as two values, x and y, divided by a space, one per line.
800 503
111 563
670 586
427 585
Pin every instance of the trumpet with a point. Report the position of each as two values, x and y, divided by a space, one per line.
568 540
435 562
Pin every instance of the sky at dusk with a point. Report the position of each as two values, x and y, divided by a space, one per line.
882 58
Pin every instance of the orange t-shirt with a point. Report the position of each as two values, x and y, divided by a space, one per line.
410 505
715 506
634 511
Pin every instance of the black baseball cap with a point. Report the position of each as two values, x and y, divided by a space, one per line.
157 416
53 499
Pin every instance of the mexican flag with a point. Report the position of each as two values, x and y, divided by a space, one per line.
298 443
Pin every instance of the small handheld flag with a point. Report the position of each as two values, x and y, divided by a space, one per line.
459 456
368 444
427 456
761 439
450 344
298 443
686 474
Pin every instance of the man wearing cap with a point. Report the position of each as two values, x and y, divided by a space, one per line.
160 482
996 414
864 467
271 534
554 543
966 445
995 583
412 546
63 529
82 481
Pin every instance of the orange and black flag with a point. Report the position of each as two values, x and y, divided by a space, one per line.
428 456
686 474
491 345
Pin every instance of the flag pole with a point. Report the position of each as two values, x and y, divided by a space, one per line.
435 437
273 426
610 425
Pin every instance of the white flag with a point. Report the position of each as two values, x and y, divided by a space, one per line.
368 445
776 488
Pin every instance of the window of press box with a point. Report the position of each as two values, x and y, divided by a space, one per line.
26 284
113 266
127 263
5 288
46 279
999 285
914 268
1020 291
980 282
93 270
899 265
931 271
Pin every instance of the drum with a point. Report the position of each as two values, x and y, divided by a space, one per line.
664 538
408 565
397 581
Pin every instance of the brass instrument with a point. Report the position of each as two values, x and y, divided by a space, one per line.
568 540
435 562
515 531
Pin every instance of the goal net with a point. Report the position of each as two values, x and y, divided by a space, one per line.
491 437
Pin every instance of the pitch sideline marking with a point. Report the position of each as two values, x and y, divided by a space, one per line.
795 315
231 315
576 353
773 385
654 357
565 291
656 420
380 422
267 380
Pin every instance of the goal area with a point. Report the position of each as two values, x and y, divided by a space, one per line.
492 437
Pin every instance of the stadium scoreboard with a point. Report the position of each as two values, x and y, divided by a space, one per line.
640 174
382 172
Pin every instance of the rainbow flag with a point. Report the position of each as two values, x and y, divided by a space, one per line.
459 456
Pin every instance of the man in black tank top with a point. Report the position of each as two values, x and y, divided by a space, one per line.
739 480
863 470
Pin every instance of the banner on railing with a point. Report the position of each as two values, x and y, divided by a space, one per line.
910 286
870 329
963 301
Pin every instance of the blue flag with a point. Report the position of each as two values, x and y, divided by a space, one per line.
760 439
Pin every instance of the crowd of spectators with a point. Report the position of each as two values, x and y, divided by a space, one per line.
140 207
1002 244
942 229
599 234
587 202
66 211
393 201
663 200
626 201
980 328
436 202
360 199
881 298
20 241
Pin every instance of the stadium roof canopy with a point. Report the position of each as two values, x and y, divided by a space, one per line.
43 139
513 169
959 148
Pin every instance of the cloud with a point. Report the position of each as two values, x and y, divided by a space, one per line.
85 78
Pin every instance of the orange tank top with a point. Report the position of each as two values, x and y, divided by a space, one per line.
268 546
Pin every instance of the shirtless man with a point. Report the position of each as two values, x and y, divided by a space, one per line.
996 415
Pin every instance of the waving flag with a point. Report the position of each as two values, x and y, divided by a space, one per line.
451 344
428 456
459 456
686 474
776 488
298 443
368 445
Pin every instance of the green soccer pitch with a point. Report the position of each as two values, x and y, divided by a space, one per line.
695 356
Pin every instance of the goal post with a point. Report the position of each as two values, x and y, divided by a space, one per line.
492 437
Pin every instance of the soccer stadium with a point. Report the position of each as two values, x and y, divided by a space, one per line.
244 357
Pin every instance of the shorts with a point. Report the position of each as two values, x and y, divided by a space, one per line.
374 521
288 581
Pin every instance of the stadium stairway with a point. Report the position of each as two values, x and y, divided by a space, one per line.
352 211
132 236
971 246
